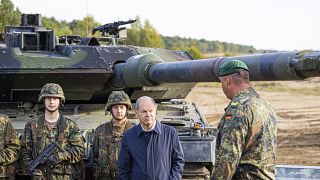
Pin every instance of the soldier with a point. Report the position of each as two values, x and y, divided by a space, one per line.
53 127
9 148
246 141
107 137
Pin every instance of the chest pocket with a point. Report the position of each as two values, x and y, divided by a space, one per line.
40 142
58 134
109 151
113 151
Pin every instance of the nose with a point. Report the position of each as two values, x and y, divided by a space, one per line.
51 100
118 109
148 113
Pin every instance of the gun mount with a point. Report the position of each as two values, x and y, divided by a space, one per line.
113 32
112 29
89 72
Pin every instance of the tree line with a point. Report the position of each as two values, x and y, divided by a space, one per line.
140 34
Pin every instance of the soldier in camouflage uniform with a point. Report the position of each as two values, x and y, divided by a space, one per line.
107 137
53 127
247 133
9 148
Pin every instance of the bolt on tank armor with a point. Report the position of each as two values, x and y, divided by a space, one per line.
118 97
51 90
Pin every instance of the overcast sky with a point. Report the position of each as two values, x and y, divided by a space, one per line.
264 24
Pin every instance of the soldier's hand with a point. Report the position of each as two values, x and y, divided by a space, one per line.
54 160
37 174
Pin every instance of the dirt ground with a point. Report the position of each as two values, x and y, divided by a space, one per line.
298 113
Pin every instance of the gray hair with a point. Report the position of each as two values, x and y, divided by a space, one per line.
241 77
144 98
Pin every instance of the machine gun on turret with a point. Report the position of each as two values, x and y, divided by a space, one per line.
112 29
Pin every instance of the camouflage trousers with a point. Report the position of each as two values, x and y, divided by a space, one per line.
53 177
111 176
248 172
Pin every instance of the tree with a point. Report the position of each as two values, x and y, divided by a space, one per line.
60 28
195 52
134 33
144 35
8 15
83 27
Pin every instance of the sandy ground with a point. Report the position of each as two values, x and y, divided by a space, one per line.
298 124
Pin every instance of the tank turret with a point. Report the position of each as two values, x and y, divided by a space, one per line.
89 71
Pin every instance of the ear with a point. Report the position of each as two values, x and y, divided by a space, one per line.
228 80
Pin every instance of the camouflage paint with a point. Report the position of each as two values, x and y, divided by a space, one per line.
37 60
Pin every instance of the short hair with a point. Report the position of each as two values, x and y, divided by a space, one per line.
142 98
241 77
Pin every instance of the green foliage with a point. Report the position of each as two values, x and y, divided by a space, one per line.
144 35
8 15
195 52
227 54
83 27
60 28
206 46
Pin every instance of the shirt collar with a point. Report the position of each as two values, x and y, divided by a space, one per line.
151 129
156 127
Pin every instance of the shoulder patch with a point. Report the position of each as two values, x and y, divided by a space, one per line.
228 116
234 104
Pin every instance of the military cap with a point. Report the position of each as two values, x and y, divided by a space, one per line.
232 67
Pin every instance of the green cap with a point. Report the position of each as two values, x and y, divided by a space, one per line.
232 67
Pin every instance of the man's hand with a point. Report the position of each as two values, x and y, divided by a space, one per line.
53 160
37 174
56 158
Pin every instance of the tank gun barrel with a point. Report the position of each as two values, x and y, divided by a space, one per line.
150 70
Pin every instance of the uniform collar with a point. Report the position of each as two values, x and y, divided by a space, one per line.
244 92
43 120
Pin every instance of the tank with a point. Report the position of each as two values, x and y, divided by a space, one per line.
90 68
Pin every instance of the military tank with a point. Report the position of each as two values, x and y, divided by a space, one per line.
89 70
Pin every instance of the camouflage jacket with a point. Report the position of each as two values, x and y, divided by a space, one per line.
247 139
38 135
106 147
9 147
